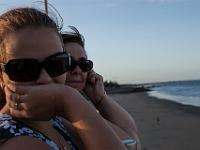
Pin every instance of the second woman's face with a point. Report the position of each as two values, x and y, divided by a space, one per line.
76 78
36 43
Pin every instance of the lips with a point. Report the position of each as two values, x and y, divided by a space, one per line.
74 81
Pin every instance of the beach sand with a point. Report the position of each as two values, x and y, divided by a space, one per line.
162 124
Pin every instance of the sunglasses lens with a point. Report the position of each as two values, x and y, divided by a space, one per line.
86 65
57 65
23 70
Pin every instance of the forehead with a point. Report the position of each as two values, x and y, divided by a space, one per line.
75 50
32 43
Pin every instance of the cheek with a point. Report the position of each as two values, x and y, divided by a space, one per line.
85 76
68 75
84 79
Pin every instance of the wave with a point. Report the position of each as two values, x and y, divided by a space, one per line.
186 100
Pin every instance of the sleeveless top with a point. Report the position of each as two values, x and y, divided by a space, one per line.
9 128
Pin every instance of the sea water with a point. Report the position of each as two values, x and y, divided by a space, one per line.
184 92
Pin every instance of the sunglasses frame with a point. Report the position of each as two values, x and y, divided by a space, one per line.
75 63
37 65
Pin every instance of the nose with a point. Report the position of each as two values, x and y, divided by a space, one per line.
77 69
44 78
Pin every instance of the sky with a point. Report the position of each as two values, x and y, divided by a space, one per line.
134 41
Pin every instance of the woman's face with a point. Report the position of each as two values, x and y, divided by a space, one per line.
76 78
37 43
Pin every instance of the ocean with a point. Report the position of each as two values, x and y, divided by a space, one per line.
184 92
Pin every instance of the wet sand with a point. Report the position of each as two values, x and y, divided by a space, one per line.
163 125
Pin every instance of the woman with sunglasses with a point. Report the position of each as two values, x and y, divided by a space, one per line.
37 110
90 84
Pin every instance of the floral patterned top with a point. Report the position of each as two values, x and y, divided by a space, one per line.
9 128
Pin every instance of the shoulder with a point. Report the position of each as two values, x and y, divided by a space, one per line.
7 127
24 143
10 128
17 134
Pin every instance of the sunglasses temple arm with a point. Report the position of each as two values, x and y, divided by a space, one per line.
70 60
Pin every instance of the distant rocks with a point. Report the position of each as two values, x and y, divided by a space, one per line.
127 88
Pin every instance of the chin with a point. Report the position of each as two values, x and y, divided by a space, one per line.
78 87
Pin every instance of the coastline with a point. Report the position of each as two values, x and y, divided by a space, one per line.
162 124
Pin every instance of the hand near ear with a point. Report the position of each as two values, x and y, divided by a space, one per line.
95 87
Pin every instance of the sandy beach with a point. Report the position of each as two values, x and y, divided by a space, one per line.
163 125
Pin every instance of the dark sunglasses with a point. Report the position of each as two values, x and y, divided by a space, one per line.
29 69
84 64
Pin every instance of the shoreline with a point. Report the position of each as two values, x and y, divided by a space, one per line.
185 107
128 89
162 124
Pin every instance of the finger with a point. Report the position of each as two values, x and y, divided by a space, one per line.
92 77
19 89
10 96
14 100
90 74
92 71
16 105
13 97
99 77
16 113
96 75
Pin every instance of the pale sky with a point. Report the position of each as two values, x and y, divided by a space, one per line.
134 41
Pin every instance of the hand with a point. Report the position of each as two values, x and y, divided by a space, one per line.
40 102
94 87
